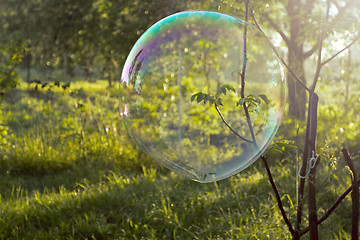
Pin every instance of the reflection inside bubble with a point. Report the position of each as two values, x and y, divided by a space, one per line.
183 101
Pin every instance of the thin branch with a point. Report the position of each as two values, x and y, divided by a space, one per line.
348 161
294 75
309 6
321 41
341 11
247 115
231 129
242 91
332 208
342 50
10 71
354 197
280 58
312 50
277 28
277 195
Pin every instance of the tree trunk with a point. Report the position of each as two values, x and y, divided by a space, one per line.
87 70
67 67
296 93
110 80
28 67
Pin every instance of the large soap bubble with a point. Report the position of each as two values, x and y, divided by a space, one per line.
183 100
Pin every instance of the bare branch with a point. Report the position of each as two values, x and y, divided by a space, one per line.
280 58
242 92
312 50
332 208
321 41
277 195
309 5
336 5
277 28
354 197
342 50
231 129
348 161
341 11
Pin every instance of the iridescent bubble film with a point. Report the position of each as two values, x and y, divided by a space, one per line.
183 100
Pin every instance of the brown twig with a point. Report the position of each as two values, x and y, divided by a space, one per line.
276 27
342 50
242 90
278 56
277 195
354 197
331 208
231 129
321 41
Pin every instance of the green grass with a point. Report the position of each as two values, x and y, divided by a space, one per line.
146 205
69 171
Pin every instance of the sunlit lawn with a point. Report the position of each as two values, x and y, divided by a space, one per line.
69 171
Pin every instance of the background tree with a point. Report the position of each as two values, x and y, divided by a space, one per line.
297 22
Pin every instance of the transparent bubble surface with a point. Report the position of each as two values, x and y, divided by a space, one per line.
183 100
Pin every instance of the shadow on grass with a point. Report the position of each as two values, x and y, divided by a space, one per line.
148 206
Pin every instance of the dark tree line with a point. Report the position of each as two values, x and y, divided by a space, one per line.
66 34
88 33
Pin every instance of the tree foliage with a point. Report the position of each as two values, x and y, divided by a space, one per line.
66 34
301 24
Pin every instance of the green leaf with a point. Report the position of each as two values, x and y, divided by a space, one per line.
264 98
229 87
252 100
240 102
200 97
194 96
44 85
206 98
66 85
35 81
218 102
222 89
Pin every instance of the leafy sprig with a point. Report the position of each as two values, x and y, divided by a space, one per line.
212 99
250 101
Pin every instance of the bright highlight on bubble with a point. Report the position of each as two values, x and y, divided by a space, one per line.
183 100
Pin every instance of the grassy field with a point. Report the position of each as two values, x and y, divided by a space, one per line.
68 170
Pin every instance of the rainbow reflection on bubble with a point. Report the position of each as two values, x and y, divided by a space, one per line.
201 52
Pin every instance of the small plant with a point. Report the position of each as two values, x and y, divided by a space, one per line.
250 104
11 54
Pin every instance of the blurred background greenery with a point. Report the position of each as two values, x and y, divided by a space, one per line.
68 169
